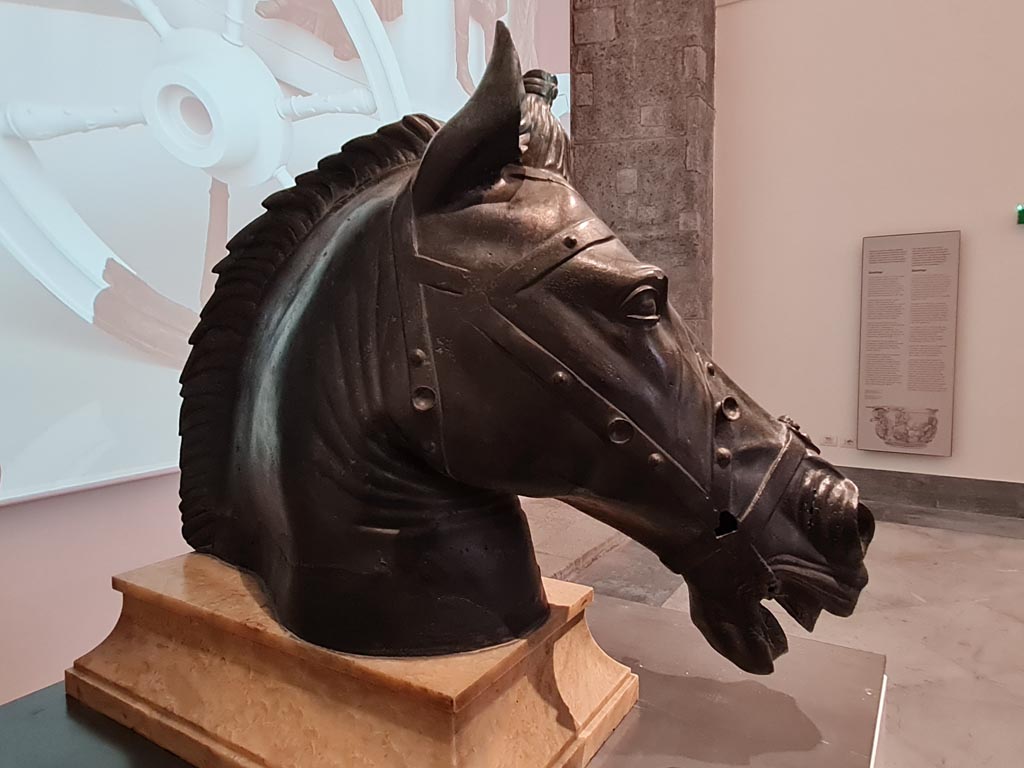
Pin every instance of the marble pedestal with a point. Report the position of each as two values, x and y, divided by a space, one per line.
197 664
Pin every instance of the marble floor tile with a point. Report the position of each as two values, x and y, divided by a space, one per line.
951 519
1012 682
967 723
561 531
981 640
897 540
631 572
903 635
916 566
553 566
679 601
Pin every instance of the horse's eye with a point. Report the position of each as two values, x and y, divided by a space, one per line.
642 306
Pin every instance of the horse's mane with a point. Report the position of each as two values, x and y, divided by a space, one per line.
210 381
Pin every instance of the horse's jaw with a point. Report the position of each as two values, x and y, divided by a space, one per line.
815 545
811 558
806 590
743 631
736 623
808 556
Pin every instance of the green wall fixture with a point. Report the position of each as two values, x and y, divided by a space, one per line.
1020 214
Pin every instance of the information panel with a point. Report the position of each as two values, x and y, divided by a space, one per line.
908 310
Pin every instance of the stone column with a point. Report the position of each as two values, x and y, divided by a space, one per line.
643 133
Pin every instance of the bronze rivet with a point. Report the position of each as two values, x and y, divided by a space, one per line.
561 379
789 421
723 456
570 241
423 399
620 431
418 357
711 368
729 408
655 460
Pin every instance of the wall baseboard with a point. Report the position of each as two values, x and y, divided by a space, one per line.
956 503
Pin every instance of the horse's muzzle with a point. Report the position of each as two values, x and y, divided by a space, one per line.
823 568
839 526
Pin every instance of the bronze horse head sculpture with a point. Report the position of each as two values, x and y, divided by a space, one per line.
425 328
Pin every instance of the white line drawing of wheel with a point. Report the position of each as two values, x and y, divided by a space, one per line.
215 104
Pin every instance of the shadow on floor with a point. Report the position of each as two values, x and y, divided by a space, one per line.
727 723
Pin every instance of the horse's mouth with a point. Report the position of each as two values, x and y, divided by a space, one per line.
806 589
748 634
745 632
831 576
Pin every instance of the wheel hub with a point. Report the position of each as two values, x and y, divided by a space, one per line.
213 105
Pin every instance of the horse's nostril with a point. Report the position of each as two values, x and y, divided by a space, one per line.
865 525
838 525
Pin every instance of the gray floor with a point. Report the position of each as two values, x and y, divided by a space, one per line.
945 606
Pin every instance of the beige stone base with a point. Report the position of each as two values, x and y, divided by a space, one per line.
197 664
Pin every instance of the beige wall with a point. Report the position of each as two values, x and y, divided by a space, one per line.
56 559
848 118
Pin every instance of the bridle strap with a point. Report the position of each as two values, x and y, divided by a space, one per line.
540 174
424 397
773 486
549 255
588 405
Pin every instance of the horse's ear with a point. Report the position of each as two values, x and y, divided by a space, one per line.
481 139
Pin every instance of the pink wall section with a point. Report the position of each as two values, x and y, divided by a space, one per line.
57 556
840 120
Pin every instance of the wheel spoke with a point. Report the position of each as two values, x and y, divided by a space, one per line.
357 101
153 16
234 21
377 57
284 178
37 122
216 236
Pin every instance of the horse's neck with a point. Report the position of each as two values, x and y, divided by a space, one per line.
363 544
354 441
